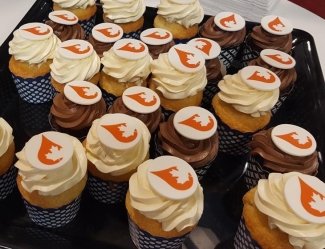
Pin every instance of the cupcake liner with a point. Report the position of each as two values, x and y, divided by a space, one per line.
53 217
54 91
227 55
88 25
8 182
254 172
37 90
247 55
243 239
182 41
143 239
107 191
209 92
108 98
166 113
133 35
281 100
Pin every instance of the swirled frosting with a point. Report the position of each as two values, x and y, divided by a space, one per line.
269 199
119 12
135 71
170 213
6 137
174 84
53 182
224 38
156 50
213 68
151 120
116 162
195 152
245 99
67 32
184 14
33 51
99 47
75 4
65 70
279 161
287 76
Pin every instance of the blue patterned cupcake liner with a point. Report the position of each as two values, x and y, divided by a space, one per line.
210 90
108 192
8 182
182 41
166 113
133 35
243 239
281 100
53 217
34 90
254 172
247 55
228 55
108 98
88 25
144 240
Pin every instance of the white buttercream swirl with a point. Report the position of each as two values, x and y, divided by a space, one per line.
269 199
116 162
245 99
6 137
174 84
170 213
65 70
135 71
33 51
184 14
53 182
120 12
75 4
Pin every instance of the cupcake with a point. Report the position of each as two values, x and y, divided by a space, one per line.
103 36
179 78
8 172
74 60
74 110
115 146
126 64
274 33
127 14
190 134
32 50
281 149
181 18
228 30
283 211
65 25
242 107
158 41
282 65
215 70
52 173
164 202
85 10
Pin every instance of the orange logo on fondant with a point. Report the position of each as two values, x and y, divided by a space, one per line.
204 45
76 49
84 92
278 58
198 123
187 59
256 76
142 99
130 47
49 153
228 19
37 30
66 17
301 142
121 132
157 35
175 178
276 25
109 32
312 201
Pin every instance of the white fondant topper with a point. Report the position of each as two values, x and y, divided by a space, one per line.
130 49
209 48
156 36
75 49
63 17
278 59
35 31
107 32
276 25
82 92
229 21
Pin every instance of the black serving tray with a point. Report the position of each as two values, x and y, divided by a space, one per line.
105 226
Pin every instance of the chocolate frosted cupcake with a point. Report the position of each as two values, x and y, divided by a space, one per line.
74 110
65 25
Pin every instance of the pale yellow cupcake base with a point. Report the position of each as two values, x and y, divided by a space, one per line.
7 159
130 26
26 70
82 14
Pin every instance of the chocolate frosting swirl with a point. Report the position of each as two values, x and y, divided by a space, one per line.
151 120
287 76
67 32
196 152
69 115
99 47
224 38
279 161
260 39
156 50
213 67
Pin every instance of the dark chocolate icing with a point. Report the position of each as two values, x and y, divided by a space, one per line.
67 32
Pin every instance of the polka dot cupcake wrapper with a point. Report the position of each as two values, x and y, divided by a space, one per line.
108 98
210 90
107 191
144 240
53 217
8 182
243 239
88 25
37 90
254 172
247 55
227 55
133 35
